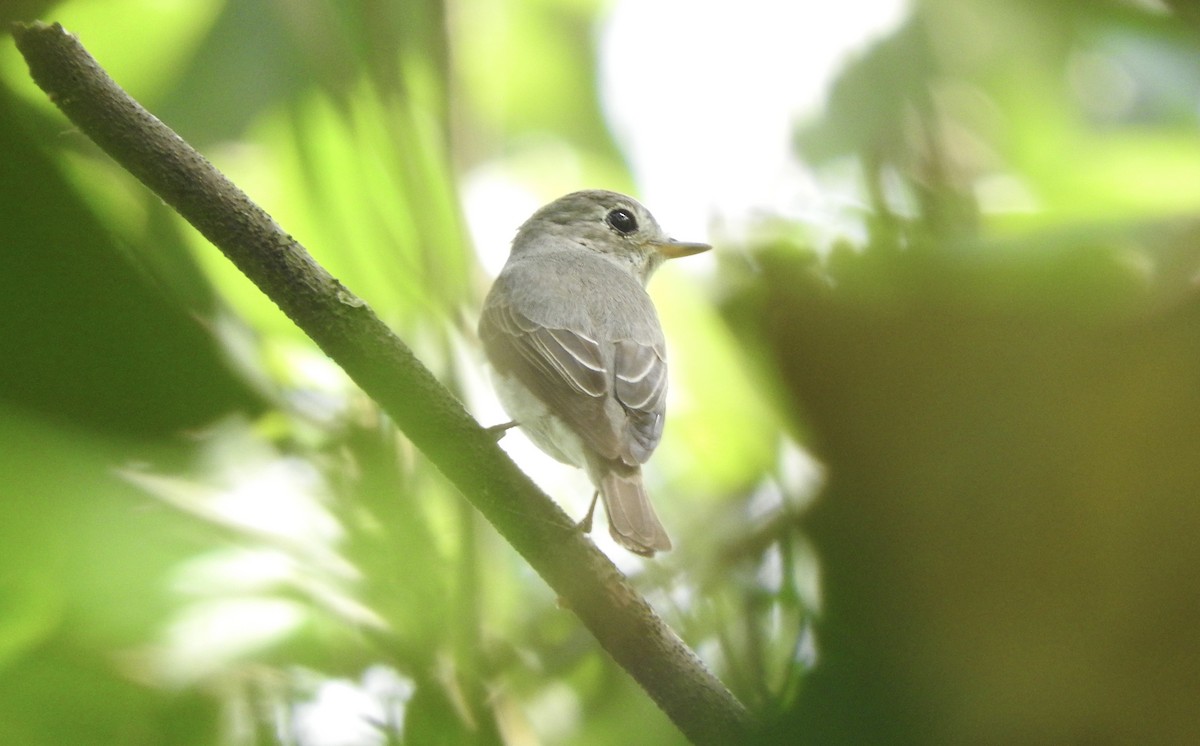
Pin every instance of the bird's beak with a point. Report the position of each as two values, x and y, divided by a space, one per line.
674 249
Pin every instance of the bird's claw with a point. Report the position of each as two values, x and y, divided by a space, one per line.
585 524
498 431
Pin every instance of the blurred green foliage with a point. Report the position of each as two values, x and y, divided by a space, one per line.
210 536
1002 382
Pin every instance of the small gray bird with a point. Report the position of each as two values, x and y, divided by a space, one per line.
577 350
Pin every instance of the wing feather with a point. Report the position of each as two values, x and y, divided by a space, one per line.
613 394
641 388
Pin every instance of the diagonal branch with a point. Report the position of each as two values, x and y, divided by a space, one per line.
353 336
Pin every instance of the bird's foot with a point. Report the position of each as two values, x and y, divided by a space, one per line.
585 525
498 431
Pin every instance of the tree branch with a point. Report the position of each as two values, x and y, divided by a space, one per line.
353 336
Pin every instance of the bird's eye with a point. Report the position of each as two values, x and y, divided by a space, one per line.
622 221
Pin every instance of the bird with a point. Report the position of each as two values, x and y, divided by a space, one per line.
577 353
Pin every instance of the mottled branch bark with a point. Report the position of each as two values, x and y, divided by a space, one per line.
382 365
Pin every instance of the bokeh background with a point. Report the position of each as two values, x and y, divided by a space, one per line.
932 461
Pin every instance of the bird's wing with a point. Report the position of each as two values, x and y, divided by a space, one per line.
576 374
563 368
640 385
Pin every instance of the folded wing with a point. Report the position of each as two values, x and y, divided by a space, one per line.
612 393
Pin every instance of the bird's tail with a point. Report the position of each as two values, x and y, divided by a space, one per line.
631 518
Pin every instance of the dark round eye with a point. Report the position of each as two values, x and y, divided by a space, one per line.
622 221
